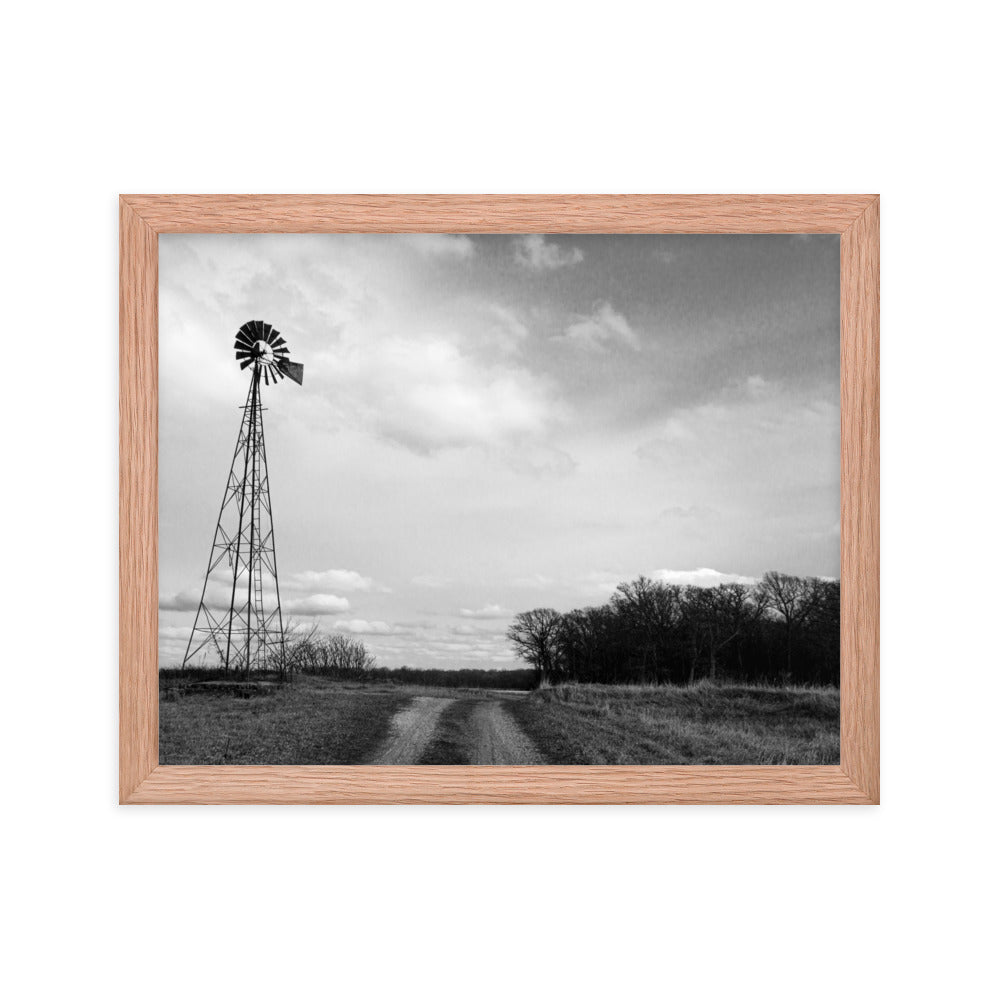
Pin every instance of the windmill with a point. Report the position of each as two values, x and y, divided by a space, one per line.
239 624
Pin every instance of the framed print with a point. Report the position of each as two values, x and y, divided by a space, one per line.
499 499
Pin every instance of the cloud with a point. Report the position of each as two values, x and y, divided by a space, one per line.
333 579
536 252
441 245
185 600
504 331
537 581
484 634
487 611
702 577
358 626
687 513
172 632
427 394
541 460
602 582
755 436
218 593
602 327
318 604
217 597
430 580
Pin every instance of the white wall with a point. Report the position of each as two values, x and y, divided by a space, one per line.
485 902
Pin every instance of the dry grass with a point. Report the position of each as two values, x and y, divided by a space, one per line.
701 724
320 721
452 742
311 721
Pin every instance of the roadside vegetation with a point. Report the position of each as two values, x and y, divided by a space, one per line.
696 724
317 720
454 736
313 653
784 631
309 721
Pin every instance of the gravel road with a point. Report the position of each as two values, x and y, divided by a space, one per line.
497 739
412 729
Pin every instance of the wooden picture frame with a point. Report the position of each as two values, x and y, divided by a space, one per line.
854 217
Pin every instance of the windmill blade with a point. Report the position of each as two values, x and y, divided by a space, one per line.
274 365
292 370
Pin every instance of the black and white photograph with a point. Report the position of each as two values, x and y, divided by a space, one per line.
499 499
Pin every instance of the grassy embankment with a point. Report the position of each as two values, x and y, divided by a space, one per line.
310 721
701 724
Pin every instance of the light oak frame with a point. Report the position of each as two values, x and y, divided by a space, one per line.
855 217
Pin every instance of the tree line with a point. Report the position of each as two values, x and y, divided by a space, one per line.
783 630
344 657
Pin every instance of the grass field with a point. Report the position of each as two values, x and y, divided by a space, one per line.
701 724
311 721
321 721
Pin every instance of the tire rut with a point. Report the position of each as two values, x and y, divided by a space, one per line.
412 729
498 739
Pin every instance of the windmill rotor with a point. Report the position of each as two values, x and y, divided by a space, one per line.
261 345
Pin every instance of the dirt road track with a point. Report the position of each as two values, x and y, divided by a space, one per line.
412 729
498 739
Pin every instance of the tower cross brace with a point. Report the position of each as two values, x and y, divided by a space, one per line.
239 624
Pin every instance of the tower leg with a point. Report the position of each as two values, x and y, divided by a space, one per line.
230 631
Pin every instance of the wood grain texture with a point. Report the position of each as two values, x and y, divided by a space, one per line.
138 743
859 501
451 213
508 785
854 217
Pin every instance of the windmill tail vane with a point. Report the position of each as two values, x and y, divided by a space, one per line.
238 625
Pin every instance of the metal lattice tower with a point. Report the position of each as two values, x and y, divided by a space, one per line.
239 624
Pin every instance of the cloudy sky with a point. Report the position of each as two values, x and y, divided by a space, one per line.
494 423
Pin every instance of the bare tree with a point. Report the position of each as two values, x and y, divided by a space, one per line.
653 611
345 655
313 652
791 598
300 646
719 616
535 638
823 630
